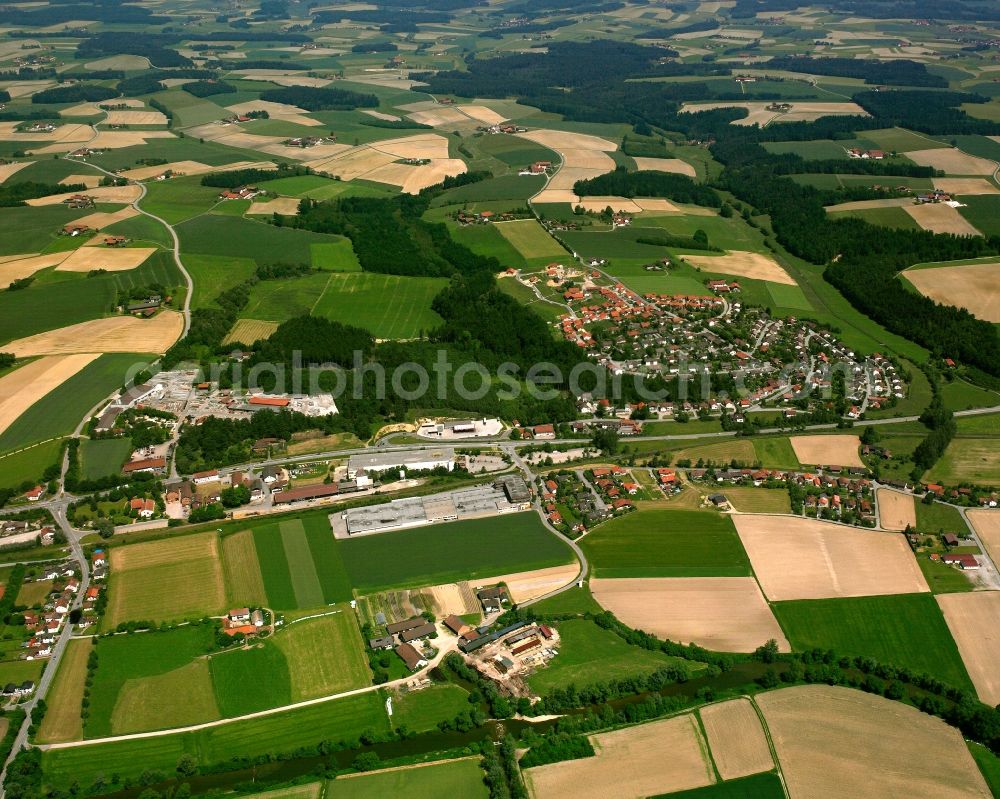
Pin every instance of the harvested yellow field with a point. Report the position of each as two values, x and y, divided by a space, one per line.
583 157
481 113
107 140
941 218
352 164
842 450
63 133
896 510
736 738
835 742
23 387
974 621
121 259
657 205
751 265
986 523
962 186
443 116
282 111
104 194
724 614
244 582
166 580
247 331
427 145
286 206
560 140
411 179
175 699
62 720
6 170
191 168
975 287
758 114
111 334
673 165
632 763
526 586
17 89
451 598
82 110
90 181
557 196
598 203
18 266
312 153
103 219
380 115
798 558
135 118
952 161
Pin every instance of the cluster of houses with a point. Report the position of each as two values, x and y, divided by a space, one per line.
873 155
79 201
615 485
583 509
402 635
502 127
44 625
307 141
933 197
465 218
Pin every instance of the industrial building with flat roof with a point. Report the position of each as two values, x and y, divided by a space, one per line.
413 460
398 514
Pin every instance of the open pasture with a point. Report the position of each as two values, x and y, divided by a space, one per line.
388 306
796 558
975 287
531 239
906 630
62 720
244 582
952 161
631 763
750 265
325 655
941 218
834 742
972 460
86 259
974 621
103 457
456 778
896 510
724 614
23 387
736 738
174 698
111 334
667 543
169 579
836 450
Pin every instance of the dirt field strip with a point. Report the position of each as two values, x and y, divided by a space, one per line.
25 266
674 165
380 115
975 287
63 133
106 140
450 598
525 586
135 118
725 614
941 218
965 186
736 738
896 510
282 111
986 523
797 558
441 117
632 763
247 331
835 742
864 205
974 621
62 720
759 115
952 161
104 194
751 265
87 259
6 170
480 113
90 181
840 450
23 387
111 334
411 178
286 206
103 219
429 145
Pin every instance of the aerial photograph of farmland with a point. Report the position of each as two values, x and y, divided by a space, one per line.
504 399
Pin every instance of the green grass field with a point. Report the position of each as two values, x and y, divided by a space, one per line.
29 229
983 213
388 306
667 543
938 516
460 778
246 681
124 658
906 630
775 453
422 710
335 256
941 578
757 786
788 297
442 553
305 582
281 300
891 217
972 460
531 239
103 457
60 411
242 238
748 499
487 241
989 765
505 187
590 654
28 465
214 274
342 719
180 198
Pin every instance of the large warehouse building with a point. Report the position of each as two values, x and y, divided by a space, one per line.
417 460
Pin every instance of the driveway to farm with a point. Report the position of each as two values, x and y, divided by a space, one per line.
448 643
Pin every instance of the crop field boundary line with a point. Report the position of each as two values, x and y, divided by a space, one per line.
313 616
770 744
